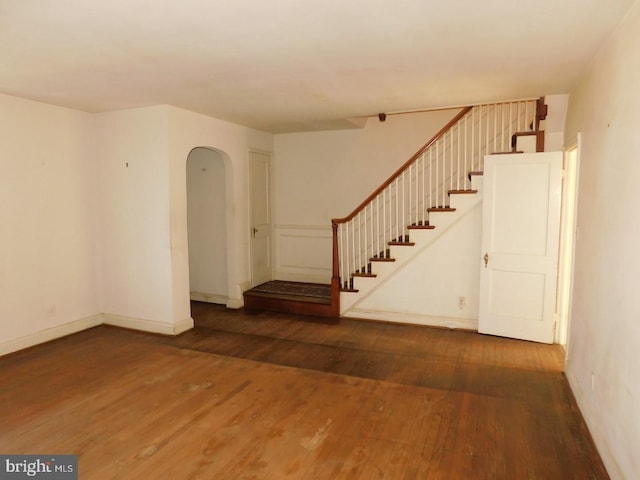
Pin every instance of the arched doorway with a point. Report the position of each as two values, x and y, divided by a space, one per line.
207 226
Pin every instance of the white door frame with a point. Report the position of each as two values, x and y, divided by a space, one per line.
568 237
269 200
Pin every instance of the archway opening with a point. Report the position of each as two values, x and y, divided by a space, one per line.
207 226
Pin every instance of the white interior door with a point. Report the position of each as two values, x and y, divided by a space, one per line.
521 221
260 217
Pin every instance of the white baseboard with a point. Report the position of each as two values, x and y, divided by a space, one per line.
235 303
148 325
50 334
594 427
90 322
209 298
415 319
183 326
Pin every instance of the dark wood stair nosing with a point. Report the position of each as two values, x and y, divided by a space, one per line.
382 259
440 209
421 227
364 275
461 192
401 244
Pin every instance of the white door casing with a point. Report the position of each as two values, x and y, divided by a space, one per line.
260 217
521 221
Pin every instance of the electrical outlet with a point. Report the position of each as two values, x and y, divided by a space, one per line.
462 302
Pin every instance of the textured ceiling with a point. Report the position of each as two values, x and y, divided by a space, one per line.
296 65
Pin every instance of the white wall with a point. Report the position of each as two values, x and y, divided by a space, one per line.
94 217
324 175
207 224
48 205
132 154
555 121
605 326
146 269
188 130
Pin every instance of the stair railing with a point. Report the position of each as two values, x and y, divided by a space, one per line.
424 181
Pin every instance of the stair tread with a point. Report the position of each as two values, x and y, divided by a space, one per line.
423 227
402 244
441 209
462 192
382 259
365 275
283 296
473 174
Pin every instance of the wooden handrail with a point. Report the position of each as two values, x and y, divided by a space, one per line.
539 134
407 164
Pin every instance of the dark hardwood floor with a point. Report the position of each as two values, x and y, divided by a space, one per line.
270 396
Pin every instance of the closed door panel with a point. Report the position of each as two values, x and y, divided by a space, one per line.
260 215
521 219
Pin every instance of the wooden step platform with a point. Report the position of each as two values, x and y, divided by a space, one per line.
291 297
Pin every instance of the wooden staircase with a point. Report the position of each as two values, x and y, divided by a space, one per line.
400 255
442 169
402 207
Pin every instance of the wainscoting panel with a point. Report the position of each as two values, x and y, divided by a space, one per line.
303 253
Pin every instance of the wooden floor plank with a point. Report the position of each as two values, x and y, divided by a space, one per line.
272 396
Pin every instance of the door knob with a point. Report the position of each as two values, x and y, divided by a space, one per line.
486 259
254 230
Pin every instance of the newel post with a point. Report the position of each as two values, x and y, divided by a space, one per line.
335 276
541 114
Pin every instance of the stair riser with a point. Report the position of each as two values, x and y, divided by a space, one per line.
400 253
288 306
382 268
462 201
363 284
477 183
442 220
420 236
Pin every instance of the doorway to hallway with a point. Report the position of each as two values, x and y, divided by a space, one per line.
207 226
